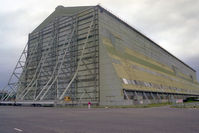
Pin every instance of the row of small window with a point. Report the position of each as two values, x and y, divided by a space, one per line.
153 85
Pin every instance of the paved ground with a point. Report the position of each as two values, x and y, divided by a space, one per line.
65 120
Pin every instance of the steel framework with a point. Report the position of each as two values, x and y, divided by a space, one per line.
62 59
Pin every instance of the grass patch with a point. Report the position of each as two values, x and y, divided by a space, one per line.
184 106
135 106
187 105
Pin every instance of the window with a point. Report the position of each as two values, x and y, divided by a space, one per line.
125 81
133 82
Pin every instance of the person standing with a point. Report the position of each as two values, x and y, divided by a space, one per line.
89 105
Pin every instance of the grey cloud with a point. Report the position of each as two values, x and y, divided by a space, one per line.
173 25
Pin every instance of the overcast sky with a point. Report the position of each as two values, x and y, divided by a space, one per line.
173 24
